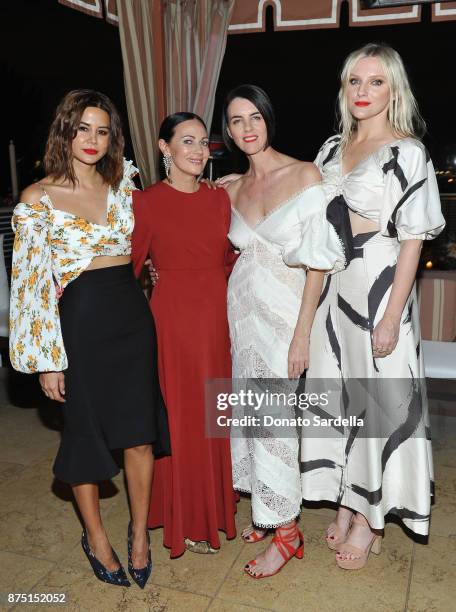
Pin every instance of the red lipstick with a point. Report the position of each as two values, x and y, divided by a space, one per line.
362 103
90 151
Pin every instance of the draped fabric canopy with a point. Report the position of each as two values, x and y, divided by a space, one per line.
248 15
142 54
195 41
172 53
172 50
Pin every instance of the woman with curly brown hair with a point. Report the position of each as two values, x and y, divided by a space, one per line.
73 230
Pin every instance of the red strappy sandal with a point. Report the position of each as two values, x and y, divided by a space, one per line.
254 537
282 539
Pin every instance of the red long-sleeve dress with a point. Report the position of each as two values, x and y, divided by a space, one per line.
185 234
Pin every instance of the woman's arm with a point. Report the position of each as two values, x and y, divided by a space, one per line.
386 332
298 353
140 240
36 343
315 243
230 253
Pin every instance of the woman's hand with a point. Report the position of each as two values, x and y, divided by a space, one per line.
210 184
53 385
385 336
152 272
298 356
386 332
226 180
58 291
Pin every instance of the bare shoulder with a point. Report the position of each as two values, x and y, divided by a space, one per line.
31 194
308 173
234 188
34 192
302 170
302 174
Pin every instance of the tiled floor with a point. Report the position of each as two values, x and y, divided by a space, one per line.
40 550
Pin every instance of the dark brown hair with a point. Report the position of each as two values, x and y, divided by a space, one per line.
58 156
168 129
259 98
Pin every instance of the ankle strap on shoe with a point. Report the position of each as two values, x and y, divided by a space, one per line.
283 538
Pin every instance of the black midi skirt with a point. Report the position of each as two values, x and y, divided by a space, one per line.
113 397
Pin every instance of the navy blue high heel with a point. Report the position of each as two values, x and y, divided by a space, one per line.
140 576
119 577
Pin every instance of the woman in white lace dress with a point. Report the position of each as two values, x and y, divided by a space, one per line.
381 185
279 226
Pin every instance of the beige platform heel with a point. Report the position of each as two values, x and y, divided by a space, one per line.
335 536
375 546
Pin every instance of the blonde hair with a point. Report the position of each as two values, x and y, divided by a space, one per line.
403 114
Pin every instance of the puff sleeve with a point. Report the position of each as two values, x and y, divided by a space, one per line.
411 207
327 151
316 244
36 343
129 171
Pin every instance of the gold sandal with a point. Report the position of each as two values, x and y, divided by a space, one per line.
202 547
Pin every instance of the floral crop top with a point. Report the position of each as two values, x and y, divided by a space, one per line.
54 246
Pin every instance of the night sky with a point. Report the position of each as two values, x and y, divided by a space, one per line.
47 49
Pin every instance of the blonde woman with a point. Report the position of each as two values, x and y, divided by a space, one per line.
383 195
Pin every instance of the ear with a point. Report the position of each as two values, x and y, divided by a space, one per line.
163 146
229 133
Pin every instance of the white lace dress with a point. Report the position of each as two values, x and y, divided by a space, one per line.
264 297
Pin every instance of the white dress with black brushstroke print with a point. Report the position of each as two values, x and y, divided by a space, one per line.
388 468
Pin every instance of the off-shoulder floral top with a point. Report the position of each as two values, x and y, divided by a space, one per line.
54 246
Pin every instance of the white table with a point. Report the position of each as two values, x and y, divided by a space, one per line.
439 359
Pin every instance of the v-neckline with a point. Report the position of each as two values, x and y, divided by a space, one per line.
274 209
364 159
70 214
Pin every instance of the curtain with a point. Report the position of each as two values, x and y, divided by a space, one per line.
141 37
172 52
437 299
195 41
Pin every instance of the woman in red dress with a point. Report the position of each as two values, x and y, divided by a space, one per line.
182 226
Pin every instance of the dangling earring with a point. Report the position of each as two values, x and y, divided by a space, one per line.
167 163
